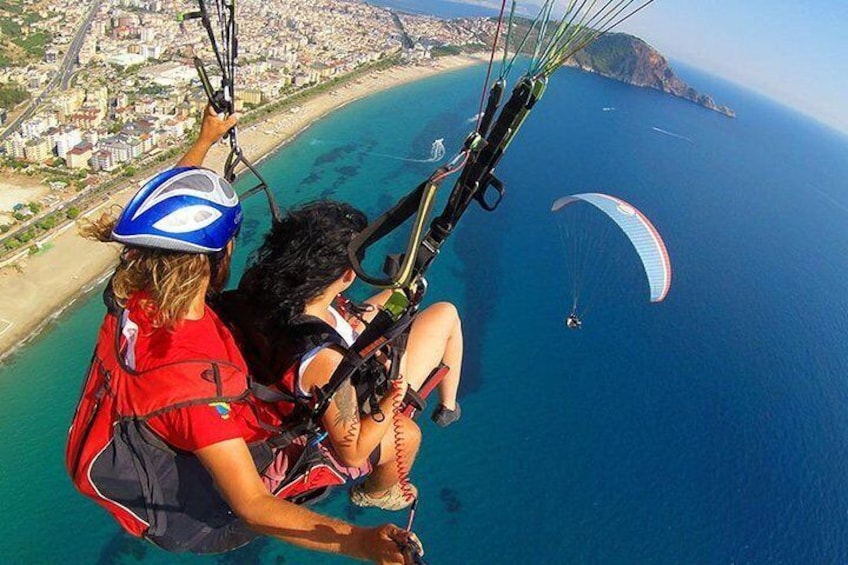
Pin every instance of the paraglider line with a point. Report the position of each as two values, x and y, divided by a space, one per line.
575 294
491 62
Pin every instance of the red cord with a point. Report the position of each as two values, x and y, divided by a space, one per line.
491 61
451 169
397 426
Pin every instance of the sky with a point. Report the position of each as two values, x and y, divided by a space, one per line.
793 51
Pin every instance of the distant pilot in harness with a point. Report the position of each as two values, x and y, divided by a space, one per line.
573 322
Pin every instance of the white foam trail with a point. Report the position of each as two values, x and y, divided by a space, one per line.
672 134
473 119
829 198
437 153
437 150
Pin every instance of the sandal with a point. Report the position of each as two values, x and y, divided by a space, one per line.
392 499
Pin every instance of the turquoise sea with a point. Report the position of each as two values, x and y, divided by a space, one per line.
711 428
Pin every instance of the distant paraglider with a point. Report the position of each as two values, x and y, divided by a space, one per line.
641 233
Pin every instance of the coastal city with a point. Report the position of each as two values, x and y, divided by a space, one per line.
423 281
96 92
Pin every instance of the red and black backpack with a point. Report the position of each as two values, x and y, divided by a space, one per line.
166 495
112 456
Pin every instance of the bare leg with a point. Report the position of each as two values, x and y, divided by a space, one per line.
436 336
385 474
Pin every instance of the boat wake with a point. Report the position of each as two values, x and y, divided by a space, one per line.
437 153
672 134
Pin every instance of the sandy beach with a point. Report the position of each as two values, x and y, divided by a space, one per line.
19 188
35 288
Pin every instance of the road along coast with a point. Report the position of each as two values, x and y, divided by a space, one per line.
36 288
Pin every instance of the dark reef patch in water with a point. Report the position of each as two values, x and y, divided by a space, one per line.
347 171
312 178
353 512
450 498
120 547
478 246
335 154
250 229
251 553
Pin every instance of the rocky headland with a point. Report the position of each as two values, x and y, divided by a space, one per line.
628 59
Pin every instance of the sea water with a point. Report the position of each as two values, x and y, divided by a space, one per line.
439 8
711 428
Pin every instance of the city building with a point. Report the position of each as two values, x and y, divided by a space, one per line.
79 156
38 150
14 146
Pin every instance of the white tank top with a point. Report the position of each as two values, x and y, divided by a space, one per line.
347 333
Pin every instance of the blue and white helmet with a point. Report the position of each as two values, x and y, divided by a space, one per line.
188 209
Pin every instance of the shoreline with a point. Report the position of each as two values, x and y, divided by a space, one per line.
36 290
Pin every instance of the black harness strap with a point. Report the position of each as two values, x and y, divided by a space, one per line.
224 42
417 203
383 330
310 332
270 395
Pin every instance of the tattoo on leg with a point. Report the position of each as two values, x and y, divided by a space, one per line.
348 415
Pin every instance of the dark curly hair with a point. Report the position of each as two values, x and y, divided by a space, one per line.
301 256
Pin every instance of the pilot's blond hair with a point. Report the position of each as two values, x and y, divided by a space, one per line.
171 279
